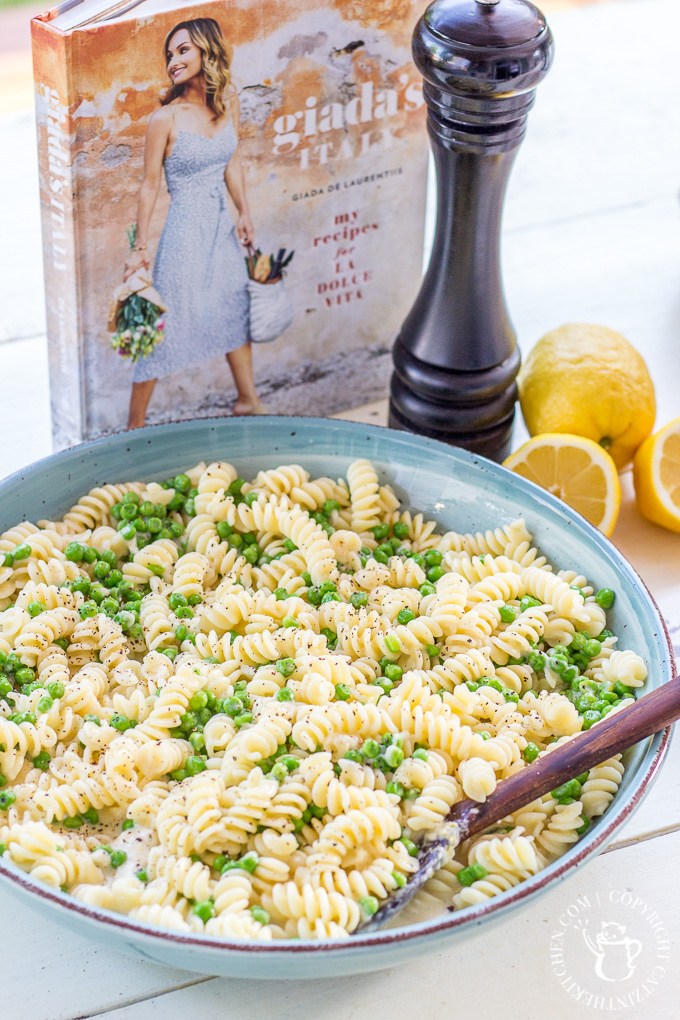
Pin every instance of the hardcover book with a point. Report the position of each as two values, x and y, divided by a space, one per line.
233 203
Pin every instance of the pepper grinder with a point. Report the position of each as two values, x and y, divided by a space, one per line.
456 357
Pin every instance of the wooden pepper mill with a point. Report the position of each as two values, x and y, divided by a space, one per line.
456 357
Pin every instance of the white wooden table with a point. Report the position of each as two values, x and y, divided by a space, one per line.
591 234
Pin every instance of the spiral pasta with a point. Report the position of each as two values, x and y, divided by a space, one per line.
256 697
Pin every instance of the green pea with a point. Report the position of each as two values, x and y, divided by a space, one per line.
286 667
434 573
74 552
433 558
578 641
91 816
605 597
489 681
427 589
392 643
592 648
280 594
243 719
314 596
42 761
101 570
25 675
508 614
249 861
570 674
400 879
528 602
128 823
405 616
197 741
393 756
474 872
359 599
120 722
380 557
409 846
7 798
420 754
353 755
182 483
8 560
259 914
395 787
432 651
44 704
401 529
369 905
117 858
22 552
5 685
205 910
178 775
198 700
90 717
380 531
193 765
557 664
87 610
393 672
530 752
331 637
592 716
75 822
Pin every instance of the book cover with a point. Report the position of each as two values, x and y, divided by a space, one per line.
195 148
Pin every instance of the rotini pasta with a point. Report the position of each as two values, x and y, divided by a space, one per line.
252 697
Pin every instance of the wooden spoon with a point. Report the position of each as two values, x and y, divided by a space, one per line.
614 734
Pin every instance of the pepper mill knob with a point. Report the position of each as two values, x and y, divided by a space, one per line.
456 357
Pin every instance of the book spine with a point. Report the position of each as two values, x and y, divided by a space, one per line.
53 97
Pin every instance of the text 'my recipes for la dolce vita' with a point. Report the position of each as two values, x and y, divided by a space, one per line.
168 138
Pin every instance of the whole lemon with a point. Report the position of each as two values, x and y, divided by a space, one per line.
589 381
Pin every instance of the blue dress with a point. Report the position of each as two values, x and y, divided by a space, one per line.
199 270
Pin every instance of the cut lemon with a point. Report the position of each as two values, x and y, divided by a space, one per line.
576 470
656 472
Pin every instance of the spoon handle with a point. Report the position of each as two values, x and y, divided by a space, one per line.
613 734
616 732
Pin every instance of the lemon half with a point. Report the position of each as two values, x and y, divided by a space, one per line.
656 472
575 469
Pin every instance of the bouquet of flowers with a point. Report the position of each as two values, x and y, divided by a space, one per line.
136 314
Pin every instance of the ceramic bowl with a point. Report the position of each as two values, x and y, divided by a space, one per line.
457 489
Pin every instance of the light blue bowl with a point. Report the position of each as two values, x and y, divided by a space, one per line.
459 490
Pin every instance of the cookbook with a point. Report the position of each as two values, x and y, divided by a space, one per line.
233 205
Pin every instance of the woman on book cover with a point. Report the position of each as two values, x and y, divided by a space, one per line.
199 269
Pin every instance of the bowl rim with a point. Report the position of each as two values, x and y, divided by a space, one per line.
449 921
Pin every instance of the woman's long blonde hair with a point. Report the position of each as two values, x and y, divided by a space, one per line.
206 34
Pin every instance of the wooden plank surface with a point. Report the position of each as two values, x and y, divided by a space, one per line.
485 977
